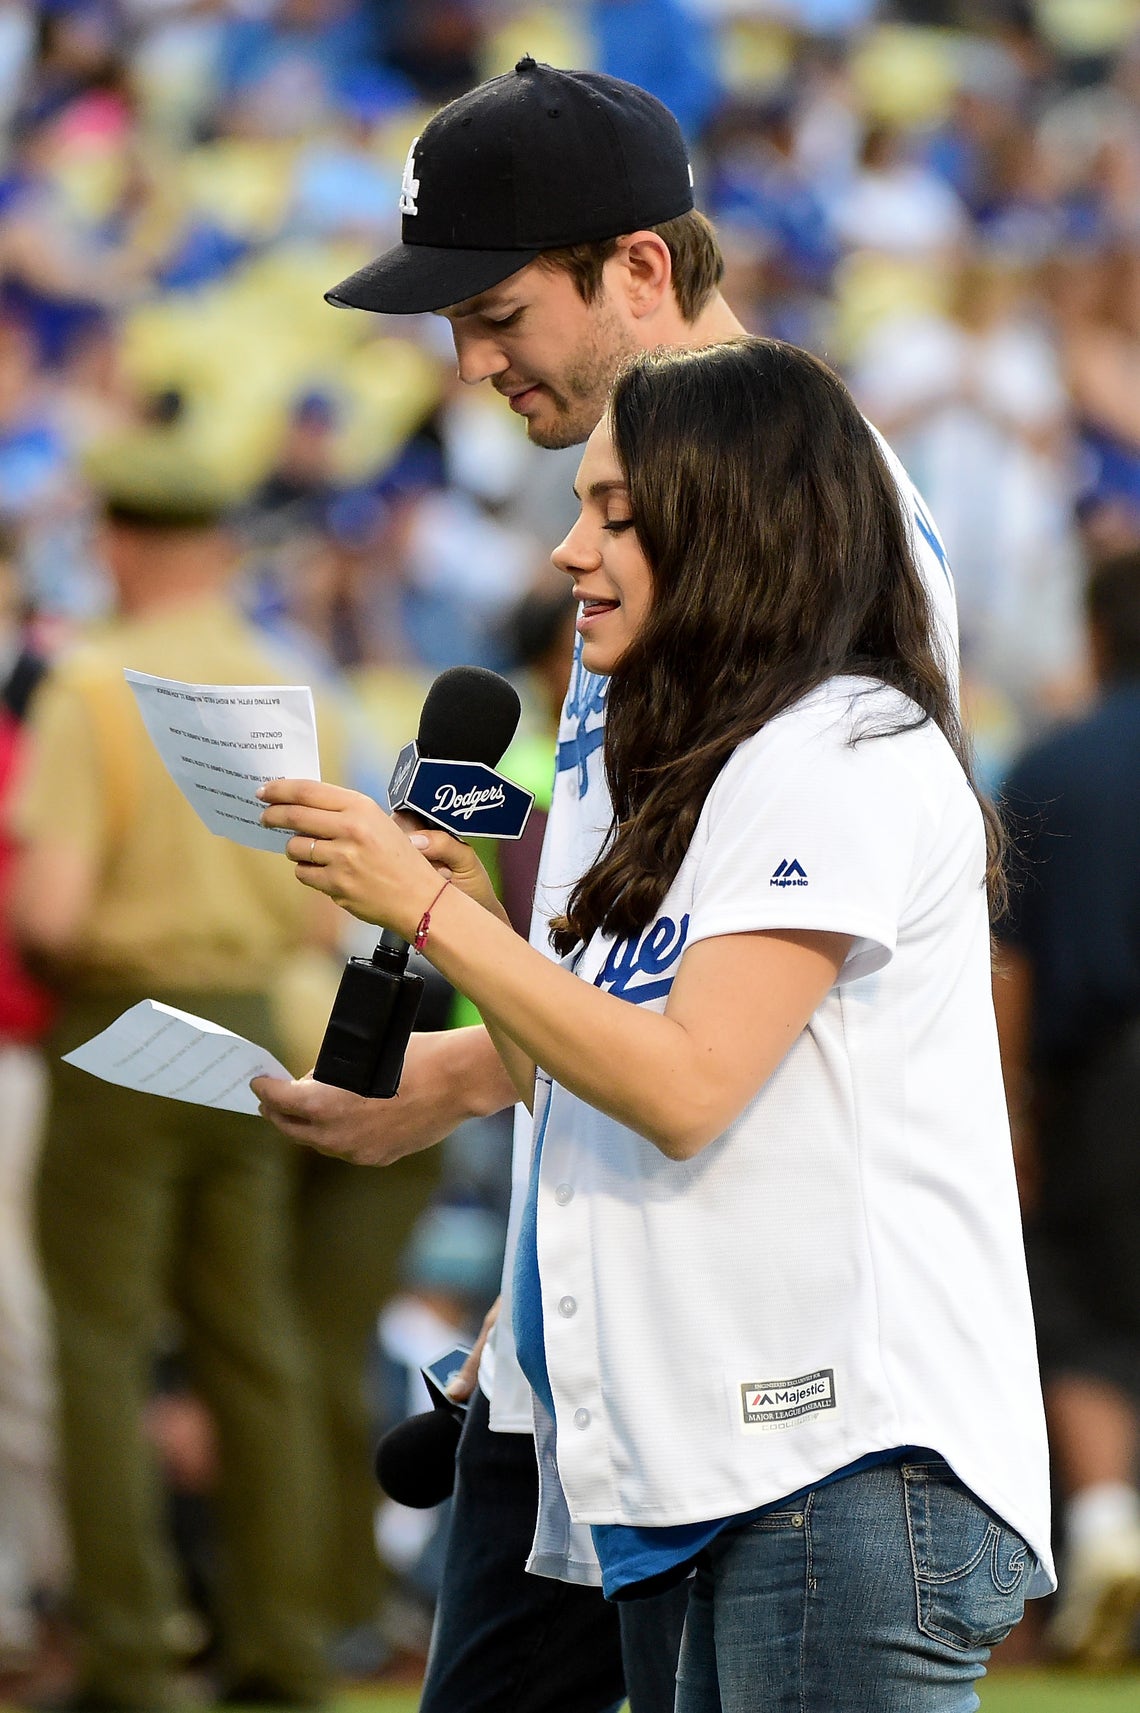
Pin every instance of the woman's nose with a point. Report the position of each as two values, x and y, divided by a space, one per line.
573 553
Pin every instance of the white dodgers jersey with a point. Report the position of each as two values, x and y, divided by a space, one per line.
580 815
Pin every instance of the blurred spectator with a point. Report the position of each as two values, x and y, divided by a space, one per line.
1021 211
281 69
449 1278
181 1430
342 186
76 51
761 190
664 46
1068 1002
435 45
974 401
303 481
897 204
67 247
1098 304
351 1229
35 463
149 1208
33 1554
17 47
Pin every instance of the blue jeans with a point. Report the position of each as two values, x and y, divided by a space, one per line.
883 1593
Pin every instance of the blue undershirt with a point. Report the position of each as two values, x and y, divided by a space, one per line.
635 1562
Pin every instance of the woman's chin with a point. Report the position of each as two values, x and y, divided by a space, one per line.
599 661
601 656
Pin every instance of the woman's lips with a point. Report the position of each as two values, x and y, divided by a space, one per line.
592 610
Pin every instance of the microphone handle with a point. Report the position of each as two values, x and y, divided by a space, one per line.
371 1022
401 1020
392 951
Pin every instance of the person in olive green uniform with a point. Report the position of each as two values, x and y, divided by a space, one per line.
149 1207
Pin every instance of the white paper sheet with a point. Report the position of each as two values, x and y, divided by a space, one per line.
221 741
160 1050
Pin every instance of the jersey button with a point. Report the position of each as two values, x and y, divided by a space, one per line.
564 1194
567 1306
581 1418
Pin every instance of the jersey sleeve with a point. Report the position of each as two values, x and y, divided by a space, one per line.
807 830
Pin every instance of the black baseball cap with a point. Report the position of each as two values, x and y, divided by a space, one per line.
531 161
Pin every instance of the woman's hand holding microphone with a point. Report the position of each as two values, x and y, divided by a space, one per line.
382 869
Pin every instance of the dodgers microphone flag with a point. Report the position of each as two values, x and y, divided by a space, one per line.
447 775
463 797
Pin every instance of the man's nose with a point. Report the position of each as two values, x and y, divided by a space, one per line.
479 358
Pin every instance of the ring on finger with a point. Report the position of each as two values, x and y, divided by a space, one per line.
312 850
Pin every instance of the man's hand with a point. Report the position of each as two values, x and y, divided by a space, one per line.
447 1078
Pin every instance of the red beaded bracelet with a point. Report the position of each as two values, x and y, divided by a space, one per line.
420 940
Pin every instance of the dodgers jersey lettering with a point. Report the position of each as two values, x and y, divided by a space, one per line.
642 968
584 716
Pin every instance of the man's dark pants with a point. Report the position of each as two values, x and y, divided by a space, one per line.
509 1642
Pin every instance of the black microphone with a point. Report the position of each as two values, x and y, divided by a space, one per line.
415 1461
469 715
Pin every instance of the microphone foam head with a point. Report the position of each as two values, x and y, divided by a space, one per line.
469 714
415 1461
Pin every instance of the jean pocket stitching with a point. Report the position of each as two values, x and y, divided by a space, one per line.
1017 1565
991 1540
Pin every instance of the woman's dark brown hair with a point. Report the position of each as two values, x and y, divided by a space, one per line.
780 558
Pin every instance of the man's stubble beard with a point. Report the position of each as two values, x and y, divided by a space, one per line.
584 387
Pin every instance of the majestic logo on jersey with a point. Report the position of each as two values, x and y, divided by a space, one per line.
772 1404
789 874
583 730
410 186
643 968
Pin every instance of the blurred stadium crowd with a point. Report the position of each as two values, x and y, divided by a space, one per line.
942 198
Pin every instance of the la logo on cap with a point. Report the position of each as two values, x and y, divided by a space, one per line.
410 187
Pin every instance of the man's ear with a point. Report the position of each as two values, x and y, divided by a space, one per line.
644 273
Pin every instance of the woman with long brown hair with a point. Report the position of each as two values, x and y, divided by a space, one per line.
770 1292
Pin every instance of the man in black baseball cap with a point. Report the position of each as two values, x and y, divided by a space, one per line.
549 216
